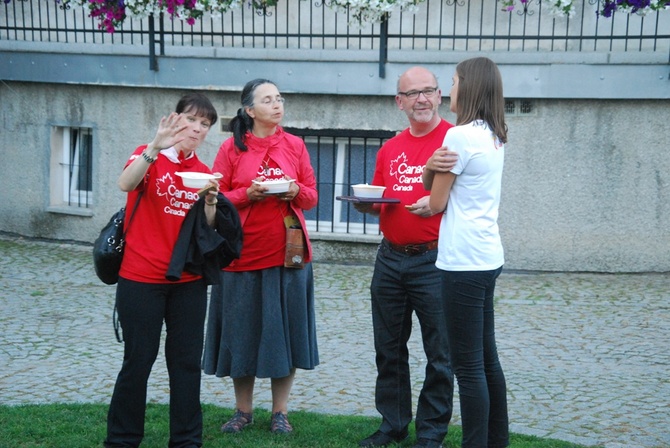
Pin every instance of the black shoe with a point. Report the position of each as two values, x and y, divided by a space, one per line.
381 439
427 443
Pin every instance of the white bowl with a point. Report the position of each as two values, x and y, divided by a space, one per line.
194 179
368 191
275 185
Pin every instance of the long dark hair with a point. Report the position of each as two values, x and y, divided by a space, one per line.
480 95
200 104
242 122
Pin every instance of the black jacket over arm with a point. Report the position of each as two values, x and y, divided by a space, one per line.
203 250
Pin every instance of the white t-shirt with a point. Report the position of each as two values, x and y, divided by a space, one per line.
469 238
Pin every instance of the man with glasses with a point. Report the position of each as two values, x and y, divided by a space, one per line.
405 279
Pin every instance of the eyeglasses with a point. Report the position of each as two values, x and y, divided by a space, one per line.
414 94
271 101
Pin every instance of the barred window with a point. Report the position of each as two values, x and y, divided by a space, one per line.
71 166
341 158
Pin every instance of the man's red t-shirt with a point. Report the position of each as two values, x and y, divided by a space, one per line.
400 164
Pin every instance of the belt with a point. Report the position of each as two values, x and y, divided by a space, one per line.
412 249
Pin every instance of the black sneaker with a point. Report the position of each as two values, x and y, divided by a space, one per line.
381 439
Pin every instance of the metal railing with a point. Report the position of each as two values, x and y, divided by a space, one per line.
437 25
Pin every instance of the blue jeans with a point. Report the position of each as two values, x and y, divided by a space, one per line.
468 309
402 284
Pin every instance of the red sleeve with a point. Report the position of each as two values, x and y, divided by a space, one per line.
224 165
308 196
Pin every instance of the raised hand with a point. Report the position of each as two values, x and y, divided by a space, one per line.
169 132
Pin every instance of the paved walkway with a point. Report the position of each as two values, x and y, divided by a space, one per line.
587 356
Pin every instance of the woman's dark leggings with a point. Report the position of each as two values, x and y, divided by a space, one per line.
468 309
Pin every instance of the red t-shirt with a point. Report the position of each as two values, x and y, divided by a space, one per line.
153 232
399 166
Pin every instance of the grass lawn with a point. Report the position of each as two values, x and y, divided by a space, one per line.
84 426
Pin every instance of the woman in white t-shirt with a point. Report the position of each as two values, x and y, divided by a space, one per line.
470 252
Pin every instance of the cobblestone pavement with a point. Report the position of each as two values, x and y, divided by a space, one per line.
586 355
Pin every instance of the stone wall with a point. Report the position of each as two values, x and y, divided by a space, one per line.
586 182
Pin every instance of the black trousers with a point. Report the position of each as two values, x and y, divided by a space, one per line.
142 309
402 285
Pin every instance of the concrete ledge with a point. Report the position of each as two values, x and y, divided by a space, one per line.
354 252
537 77
345 237
75 211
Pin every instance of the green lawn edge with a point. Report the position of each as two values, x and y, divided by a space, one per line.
84 425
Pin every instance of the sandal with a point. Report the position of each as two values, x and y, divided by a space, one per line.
280 424
238 422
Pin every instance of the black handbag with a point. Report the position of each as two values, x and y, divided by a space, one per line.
108 247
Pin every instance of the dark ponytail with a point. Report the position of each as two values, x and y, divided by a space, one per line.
242 122
239 126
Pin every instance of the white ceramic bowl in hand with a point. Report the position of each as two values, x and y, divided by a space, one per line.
368 191
194 179
275 186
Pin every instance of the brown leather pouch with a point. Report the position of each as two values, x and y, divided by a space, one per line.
295 248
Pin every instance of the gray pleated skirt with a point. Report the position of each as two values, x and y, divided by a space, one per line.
261 323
